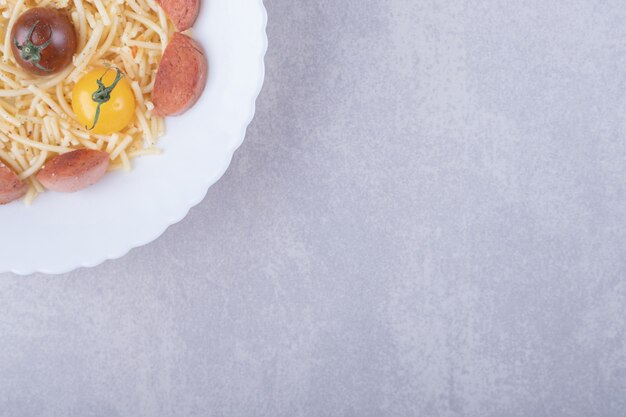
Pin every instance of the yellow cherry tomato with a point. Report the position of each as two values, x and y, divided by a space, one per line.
103 101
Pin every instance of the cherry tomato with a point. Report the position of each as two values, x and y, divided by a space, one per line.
43 41
103 101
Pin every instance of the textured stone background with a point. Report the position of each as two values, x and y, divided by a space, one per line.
428 218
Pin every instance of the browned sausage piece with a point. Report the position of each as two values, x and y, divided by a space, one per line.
182 13
181 76
74 170
11 187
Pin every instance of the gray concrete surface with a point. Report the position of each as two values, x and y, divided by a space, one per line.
428 218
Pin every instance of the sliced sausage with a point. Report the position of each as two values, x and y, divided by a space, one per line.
181 76
74 170
11 187
182 13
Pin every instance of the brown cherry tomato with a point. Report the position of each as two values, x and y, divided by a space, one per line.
43 41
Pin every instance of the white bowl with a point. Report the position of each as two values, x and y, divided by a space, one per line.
61 232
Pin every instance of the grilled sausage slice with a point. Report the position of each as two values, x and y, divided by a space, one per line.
74 170
181 76
11 187
182 13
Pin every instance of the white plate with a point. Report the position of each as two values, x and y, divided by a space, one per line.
61 232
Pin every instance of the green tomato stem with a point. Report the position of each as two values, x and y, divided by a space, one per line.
103 94
31 52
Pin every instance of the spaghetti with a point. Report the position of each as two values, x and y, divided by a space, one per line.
36 118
